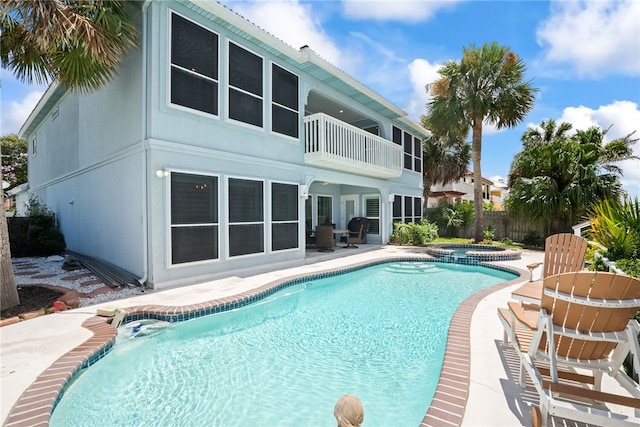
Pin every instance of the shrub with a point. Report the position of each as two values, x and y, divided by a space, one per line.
451 217
615 225
36 234
629 266
532 238
414 234
489 234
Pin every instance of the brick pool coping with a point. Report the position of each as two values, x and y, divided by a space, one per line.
35 406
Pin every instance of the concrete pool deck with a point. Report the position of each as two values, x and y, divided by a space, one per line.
29 349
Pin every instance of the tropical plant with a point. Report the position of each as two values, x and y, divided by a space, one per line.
413 233
486 85
14 160
451 217
77 43
489 234
556 180
615 225
445 160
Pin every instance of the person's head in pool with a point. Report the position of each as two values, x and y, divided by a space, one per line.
349 411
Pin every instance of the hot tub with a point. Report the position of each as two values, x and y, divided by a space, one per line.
472 254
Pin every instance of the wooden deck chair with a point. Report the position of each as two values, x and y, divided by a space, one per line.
563 253
586 320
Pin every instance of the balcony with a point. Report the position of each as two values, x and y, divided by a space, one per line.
332 144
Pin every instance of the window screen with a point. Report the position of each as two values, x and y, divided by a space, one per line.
246 217
417 209
245 86
397 208
417 153
194 66
284 107
408 209
397 135
194 218
284 216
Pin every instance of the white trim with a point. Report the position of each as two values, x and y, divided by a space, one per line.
270 221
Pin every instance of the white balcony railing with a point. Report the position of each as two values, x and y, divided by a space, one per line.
332 144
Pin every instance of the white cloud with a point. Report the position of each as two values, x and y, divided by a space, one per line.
390 10
16 112
292 23
421 72
621 118
594 38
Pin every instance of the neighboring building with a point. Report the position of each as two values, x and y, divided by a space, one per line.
216 148
462 191
19 199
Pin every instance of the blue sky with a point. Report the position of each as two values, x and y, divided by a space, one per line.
583 56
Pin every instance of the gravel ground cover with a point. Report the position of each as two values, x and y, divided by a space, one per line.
49 271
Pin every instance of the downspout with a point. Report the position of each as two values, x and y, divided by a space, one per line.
145 154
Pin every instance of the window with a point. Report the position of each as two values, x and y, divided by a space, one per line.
325 210
284 105
245 86
397 208
412 147
34 147
407 209
194 218
246 217
194 66
417 154
284 216
372 212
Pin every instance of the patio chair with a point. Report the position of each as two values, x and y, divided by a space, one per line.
563 253
324 238
586 321
352 239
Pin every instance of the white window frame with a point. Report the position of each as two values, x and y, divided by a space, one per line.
228 87
169 66
297 111
264 222
366 214
271 221
169 227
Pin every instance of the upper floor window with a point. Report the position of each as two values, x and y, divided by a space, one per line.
412 149
245 86
194 66
284 103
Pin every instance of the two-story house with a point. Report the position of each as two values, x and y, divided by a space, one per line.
462 191
216 148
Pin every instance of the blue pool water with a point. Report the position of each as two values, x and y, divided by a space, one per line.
377 332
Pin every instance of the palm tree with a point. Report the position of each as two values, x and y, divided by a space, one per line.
77 43
444 160
485 85
558 180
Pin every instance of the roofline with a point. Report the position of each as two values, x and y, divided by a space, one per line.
304 55
53 87
301 56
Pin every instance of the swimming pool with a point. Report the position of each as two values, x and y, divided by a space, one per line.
377 332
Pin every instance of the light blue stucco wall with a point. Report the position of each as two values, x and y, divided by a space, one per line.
97 162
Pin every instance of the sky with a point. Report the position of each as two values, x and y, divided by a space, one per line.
582 56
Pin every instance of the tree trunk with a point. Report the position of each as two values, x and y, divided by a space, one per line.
476 155
8 290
